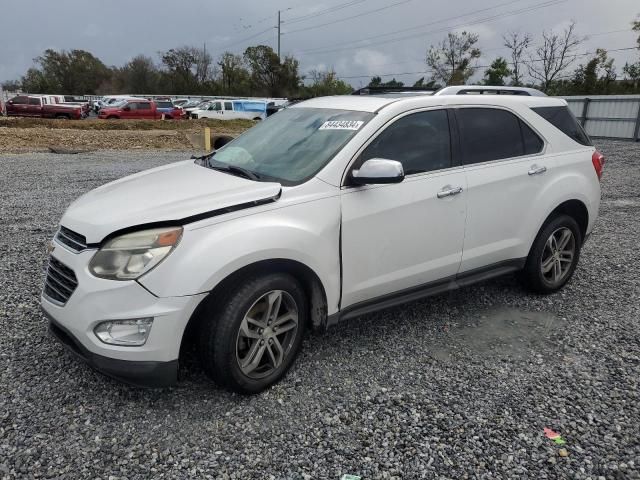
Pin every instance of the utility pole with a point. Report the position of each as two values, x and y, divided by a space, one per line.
279 34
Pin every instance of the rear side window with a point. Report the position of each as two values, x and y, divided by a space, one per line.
490 134
144 106
563 119
419 141
34 101
228 106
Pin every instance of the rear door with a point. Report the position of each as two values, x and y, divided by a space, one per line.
505 169
144 110
406 235
34 107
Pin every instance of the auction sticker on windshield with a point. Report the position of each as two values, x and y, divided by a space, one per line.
342 125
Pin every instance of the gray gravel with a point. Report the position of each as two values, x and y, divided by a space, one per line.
456 386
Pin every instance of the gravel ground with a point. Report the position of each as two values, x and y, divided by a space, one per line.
456 386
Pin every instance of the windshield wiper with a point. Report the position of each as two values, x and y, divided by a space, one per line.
233 170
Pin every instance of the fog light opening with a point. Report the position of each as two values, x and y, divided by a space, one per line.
126 333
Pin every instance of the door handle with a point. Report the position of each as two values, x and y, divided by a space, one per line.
536 170
449 191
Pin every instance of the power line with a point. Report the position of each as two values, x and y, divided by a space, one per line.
319 13
435 22
545 4
313 27
270 29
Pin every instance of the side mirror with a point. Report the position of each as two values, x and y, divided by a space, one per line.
127 109
378 170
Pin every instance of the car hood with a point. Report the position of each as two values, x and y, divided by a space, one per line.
181 192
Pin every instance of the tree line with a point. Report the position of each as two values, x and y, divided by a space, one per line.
552 65
180 71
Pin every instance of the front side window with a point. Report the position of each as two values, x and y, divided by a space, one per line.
488 134
419 141
216 106
19 100
294 146
144 105
34 101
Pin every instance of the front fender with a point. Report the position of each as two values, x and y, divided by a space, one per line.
307 233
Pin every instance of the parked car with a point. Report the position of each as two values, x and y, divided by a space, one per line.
331 209
131 110
232 110
39 106
181 102
170 111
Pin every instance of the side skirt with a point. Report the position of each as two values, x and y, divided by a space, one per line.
427 290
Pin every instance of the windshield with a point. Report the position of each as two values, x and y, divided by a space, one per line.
294 145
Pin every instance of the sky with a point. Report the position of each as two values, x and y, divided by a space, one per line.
356 38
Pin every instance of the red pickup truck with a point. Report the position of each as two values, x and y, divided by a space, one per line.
33 106
132 110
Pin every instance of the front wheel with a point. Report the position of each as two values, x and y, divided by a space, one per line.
249 340
554 255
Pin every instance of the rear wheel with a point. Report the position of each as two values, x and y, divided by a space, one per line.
249 339
62 117
554 255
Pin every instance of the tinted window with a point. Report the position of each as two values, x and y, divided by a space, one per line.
164 104
532 142
144 105
20 100
34 101
489 134
228 106
563 119
419 141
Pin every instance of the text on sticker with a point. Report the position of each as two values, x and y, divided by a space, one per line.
342 125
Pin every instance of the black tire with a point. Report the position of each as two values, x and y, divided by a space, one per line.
219 331
532 276
112 117
62 117
257 119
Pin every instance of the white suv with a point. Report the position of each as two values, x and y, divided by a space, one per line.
329 209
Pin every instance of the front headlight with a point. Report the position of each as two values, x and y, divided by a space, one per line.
129 256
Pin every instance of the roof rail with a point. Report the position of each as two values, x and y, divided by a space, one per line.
489 90
383 90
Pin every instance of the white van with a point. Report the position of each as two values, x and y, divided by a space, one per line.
233 109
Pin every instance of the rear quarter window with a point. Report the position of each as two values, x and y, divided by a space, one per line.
563 120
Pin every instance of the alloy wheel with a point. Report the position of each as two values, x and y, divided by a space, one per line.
267 334
558 256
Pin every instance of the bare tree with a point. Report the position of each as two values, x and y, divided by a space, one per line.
554 56
518 43
451 59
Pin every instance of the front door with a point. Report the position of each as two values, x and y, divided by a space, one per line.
410 234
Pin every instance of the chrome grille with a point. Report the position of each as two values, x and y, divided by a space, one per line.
71 239
60 282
